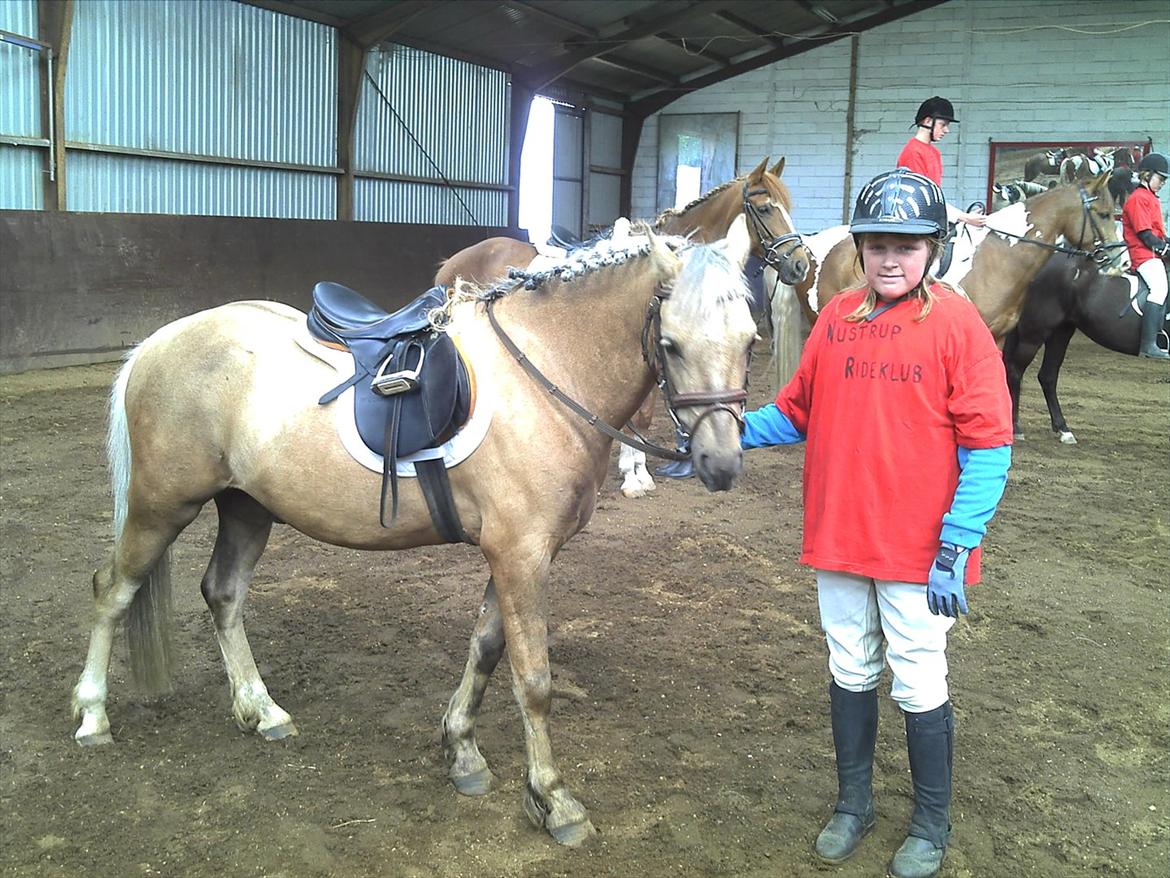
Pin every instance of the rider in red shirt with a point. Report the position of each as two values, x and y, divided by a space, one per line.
920 154
902 399
1145 236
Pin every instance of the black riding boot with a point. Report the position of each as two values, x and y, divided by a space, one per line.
930 741
1151 326
678 469
855 722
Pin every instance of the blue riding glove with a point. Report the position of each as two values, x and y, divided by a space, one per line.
944 589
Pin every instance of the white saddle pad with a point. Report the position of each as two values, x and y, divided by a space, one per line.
457 449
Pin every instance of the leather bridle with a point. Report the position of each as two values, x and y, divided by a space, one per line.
778 249
729 400
1100 252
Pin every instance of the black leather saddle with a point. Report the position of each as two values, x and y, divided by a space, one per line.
412 390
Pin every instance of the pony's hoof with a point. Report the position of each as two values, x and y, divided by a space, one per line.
633 493
1067 438
572 834
478 783
278 732
94 740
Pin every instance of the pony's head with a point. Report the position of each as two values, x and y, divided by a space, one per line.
767 204
705 335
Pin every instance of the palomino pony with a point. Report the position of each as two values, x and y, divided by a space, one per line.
760 196
1069 293
223 406
993 266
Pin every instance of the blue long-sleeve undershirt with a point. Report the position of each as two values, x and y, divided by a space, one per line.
768 426
982 475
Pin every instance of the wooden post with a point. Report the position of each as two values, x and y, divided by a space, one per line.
54 26
351 67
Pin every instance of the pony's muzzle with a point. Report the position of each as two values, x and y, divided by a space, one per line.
718 468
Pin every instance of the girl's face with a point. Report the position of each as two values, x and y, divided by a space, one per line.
894 264
1156 181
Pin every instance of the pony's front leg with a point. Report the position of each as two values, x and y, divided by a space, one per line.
244 526
466 766
519 576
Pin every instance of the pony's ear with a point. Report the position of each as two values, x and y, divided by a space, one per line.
778 168
758 174
1099 182
738 241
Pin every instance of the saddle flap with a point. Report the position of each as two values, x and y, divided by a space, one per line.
430 412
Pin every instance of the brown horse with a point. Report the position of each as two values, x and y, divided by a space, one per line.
223 406
759 195
994 266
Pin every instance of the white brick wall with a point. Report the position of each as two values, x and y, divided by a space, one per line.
1044 82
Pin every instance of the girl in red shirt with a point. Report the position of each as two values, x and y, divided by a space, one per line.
902 397
1145 236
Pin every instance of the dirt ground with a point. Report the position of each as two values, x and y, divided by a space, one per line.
692 717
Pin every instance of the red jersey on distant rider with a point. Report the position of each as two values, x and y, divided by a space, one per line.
1142 212
922 158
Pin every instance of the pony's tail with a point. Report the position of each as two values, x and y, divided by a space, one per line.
148 619
785 321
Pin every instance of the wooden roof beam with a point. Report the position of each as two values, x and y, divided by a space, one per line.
753 29
372 29
653 20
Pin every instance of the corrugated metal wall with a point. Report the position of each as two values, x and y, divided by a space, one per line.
605 152
218 108
430 117
20 112
208 79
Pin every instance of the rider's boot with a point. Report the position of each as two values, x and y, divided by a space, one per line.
678 469
1151 326
930 741
855 720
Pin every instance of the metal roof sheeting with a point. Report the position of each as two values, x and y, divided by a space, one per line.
20 111
454 112
394 201
203 77
21 168
133 184
208 79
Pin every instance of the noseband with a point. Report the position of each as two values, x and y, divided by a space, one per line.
778 249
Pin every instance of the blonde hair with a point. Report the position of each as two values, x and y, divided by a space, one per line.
922 292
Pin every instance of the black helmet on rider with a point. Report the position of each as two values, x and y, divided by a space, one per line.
1156 163
936 108
900 202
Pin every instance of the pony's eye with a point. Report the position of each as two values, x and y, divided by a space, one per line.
765 208
669 345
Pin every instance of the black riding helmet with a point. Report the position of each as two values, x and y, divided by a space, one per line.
1155 162
900 202
936 108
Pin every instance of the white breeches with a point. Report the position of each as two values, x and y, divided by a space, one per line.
859 613
1153 272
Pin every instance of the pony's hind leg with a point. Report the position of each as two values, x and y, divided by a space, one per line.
135 583
466 766
244 526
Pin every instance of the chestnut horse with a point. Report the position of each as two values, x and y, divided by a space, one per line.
992 266
759 195
1069 293
223 405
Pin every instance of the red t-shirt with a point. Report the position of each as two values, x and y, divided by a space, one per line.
1142 212
922 158
885 405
